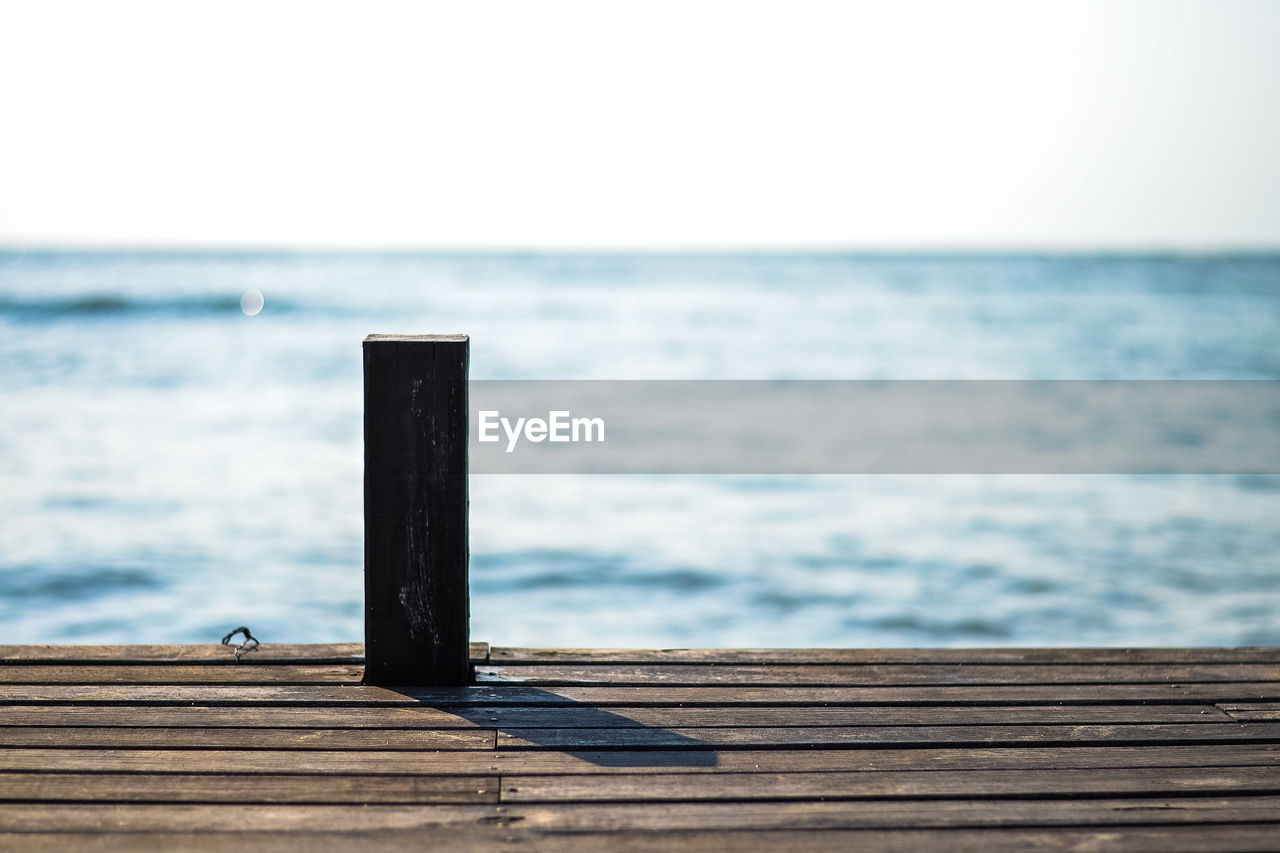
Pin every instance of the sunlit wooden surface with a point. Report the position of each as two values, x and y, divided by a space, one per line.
183 747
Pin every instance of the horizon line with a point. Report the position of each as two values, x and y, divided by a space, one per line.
926 249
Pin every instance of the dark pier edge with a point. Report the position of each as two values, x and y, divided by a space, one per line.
415 510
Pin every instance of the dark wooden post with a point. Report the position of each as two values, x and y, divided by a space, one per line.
415 510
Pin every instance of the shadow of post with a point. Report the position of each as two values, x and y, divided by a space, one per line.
535 719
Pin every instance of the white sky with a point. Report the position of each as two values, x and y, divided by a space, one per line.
653 124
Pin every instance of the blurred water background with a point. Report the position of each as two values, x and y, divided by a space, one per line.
171 467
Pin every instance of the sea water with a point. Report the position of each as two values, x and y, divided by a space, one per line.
172 466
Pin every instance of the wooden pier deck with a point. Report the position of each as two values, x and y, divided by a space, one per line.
180 747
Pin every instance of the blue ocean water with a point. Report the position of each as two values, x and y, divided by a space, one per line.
171 468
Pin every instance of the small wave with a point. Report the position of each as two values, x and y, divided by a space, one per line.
73 584
114 304
941 629
538 569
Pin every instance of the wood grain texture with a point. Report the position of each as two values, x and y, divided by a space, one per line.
1213 838
506 716
607 696
239 788
730 738
603 817
824 657
873 675
416 591
250 738
721 738
1164 781
1147 749
290 653
632 761
165 673
1252 711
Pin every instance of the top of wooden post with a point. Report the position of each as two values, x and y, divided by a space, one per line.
441 339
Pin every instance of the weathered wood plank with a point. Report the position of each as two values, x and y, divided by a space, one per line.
826 657
1243 838
594 762
251 738
239 788
1253 711
965 784
458 839
115 737
499 716
269 653
871 674
724 695
480 652
896 814
902 715
578 817
416 611
257 716
728 738
205 653
231 695
159 673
